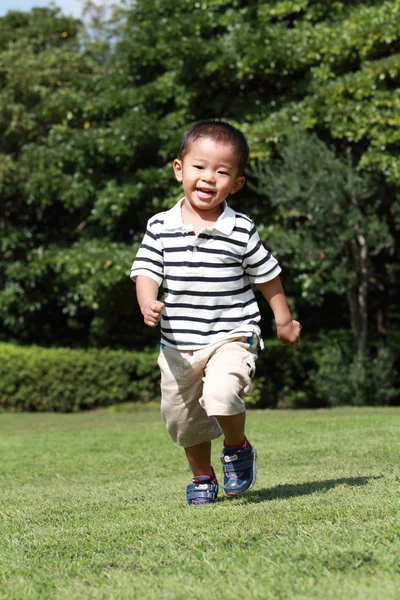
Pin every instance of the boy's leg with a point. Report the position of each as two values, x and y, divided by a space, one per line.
186 420
199 458
203 488
238 456
233 428
181 387
228 379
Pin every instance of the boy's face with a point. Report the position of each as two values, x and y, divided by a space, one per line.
209 172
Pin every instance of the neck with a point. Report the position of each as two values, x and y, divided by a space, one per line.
200 218
190 212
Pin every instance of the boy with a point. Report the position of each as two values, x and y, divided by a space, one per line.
206 255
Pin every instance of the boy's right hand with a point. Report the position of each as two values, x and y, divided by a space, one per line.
152 312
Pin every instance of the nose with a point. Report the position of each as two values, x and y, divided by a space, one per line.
208 176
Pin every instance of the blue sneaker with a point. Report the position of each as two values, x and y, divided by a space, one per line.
239 467
202 490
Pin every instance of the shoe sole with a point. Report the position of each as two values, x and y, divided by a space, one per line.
252 481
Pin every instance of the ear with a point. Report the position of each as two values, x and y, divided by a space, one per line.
239 183
177 166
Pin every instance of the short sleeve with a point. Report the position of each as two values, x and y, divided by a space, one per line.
258 263
149 260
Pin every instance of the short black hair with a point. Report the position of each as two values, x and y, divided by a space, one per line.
219 131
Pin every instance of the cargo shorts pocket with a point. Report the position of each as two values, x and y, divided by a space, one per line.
251 359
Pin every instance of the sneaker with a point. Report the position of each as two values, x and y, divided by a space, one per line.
239 467
202 490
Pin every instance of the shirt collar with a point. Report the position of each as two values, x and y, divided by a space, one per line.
225 223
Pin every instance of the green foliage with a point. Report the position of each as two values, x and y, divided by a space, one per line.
320 205
72 203
341 380
323 373
283 378
348 57
60 287
65 380
90 120
312 374
330 223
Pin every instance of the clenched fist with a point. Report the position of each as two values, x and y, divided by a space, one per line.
152 312
289 334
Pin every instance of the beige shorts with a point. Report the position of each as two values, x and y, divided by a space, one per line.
199 385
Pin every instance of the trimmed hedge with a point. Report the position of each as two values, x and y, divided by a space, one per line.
309 375
66 380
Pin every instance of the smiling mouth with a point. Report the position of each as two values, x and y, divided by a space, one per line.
205 193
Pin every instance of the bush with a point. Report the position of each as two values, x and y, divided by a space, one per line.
342 379
323 373
65 380
283 378
310 375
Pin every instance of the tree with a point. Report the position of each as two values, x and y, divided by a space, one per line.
328 224
53 165
90 120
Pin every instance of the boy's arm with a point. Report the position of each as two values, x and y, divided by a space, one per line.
288 330
147 292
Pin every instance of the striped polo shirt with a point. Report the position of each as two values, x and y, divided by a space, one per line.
206 278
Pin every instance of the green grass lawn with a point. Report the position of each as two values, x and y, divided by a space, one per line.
93 506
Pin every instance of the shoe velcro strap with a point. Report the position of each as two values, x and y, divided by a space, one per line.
238 465
194 493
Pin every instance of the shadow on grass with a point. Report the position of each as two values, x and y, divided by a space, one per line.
280 492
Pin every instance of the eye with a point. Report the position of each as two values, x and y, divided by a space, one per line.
223 173
198 167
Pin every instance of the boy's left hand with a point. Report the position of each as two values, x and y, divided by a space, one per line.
289 334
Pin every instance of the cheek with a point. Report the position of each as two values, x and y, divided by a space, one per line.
225 182
232 186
